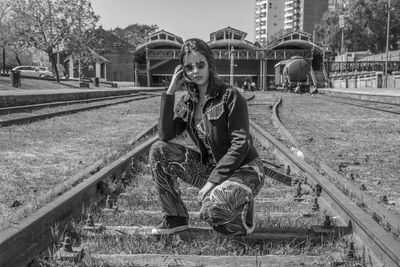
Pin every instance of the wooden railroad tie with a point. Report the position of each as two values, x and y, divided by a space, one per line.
195 260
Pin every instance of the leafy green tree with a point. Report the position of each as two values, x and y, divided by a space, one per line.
48 25
82 43
5 19
365 26
135 34
276 35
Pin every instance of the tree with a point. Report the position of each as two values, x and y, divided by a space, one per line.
82 43
50 24
276 35
328 31
135 34
365 26
5 19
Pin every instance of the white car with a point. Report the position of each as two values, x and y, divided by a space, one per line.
34 71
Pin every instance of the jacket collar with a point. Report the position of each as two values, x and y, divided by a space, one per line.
193 95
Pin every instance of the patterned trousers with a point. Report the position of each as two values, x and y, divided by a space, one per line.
229 206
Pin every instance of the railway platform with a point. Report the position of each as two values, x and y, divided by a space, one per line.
19 97
386 95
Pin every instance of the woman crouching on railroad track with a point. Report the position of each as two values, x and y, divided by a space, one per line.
228 170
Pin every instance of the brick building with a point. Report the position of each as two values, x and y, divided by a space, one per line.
113 63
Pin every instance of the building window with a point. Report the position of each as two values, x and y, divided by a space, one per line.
117 44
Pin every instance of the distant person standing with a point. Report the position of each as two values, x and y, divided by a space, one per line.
253 86
245 85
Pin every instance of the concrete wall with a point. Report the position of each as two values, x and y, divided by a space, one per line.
365 80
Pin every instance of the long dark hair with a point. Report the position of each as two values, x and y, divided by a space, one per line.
198 45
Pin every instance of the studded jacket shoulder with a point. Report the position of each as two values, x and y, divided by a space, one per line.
226 121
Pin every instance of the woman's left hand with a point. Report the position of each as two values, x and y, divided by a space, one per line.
205 190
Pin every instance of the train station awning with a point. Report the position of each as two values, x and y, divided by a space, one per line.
294 40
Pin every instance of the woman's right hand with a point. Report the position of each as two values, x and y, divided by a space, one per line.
176 80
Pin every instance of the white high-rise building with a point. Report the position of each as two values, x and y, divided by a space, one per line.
292 15
303 15
336 5
268 19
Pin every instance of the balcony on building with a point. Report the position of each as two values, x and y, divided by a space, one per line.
288 15
288 8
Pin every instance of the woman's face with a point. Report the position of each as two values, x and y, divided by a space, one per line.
195 65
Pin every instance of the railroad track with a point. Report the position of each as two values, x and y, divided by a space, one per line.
26 114
28 108
373 208
106 219
392 108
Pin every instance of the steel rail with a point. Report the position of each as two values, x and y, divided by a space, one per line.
362 106
378 211
323 95
14 109
87 172
23 242
384 247
33 118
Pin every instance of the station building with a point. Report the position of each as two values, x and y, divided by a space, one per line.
113 61
237 60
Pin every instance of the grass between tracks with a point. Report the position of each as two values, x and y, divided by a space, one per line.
361 144
140 244
142 195
36 157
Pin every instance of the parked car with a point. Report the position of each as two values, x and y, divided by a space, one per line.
34 71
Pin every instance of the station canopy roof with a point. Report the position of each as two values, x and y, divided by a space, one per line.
162 40
222 39
230 37
294 40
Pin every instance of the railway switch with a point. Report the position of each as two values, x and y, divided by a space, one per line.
328 222
315 206
90 225
350 252
318 190
287 170
110 207
89 220
109 202
69 253
299 194
67 245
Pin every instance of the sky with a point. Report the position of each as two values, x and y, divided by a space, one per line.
184 18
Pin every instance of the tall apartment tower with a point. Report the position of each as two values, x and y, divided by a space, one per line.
336 5
333 5
268 19
303 15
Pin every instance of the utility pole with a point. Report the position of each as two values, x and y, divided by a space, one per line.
4 60
231 53
341 25
387 45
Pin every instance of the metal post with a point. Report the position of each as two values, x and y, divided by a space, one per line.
387 46
261 80
232 66
4 60
148 68
341 25
343 49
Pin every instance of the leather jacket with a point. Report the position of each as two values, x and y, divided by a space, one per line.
226 122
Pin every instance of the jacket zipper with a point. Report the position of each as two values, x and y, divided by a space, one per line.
205 126
191 128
